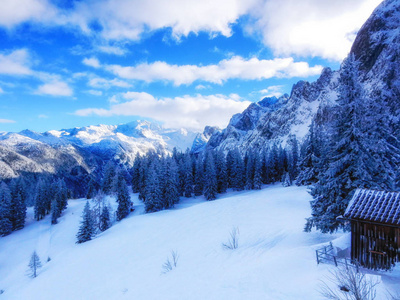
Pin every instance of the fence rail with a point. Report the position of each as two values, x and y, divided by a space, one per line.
325 254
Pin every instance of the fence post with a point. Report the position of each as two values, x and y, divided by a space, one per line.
316 252
334 259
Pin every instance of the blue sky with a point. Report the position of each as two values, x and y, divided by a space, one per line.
184 63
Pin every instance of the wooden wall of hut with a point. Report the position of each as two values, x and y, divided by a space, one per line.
375 246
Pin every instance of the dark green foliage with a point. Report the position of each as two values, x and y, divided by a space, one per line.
105 219
18 204
109 173
87 229
5 210
123 199
210 178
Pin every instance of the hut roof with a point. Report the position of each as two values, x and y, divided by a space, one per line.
375 206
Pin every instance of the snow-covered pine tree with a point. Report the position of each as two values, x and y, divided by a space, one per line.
91 189
108 182
210 178
237 178
34 265
153 201
188 176
293 157
199 176
230 161
123 199
250 168
105 219
257 183
40 199
170 184
18 203
220 166
308 164
351 161
86 230
5 210
136 174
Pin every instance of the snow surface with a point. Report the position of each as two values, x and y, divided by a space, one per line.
275 258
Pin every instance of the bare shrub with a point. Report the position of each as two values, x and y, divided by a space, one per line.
350 285
171 262
233 242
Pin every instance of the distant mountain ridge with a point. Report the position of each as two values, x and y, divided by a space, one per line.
85 148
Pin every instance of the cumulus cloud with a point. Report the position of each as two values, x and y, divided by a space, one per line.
91 62
311 27
103 83
55 88
272 91
290 27
95 92
16 62
6 121
15 12
193 112
235 67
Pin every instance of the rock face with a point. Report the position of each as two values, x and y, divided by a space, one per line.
84 150
376 47
275 119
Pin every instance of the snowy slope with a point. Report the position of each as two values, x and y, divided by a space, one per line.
275 259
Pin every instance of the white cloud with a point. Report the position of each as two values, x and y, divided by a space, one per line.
15 63
235 67
123 19
311 27
95 92
102 83
55 88
1 91
192 112
42 116
91 62
272 91
6 121
15 12
112 50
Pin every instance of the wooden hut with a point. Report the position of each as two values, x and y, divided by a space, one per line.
375 228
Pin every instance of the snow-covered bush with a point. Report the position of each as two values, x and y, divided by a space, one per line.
233 242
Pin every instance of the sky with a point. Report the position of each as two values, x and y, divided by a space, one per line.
182 63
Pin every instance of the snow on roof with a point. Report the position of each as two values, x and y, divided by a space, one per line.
375 206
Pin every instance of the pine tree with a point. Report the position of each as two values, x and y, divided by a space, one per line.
351 161
210 178
250 168
91 189
109 173
170 183
237 178
18 204
154 201
220 166
105 219
257 183
123 199
86 230
34 264
188 177
40 200
5 210
136 174
199 177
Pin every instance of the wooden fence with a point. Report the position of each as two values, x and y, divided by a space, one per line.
325 255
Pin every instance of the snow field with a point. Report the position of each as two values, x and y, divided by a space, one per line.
275 258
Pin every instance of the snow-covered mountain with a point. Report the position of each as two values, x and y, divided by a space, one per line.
376 47
83 149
